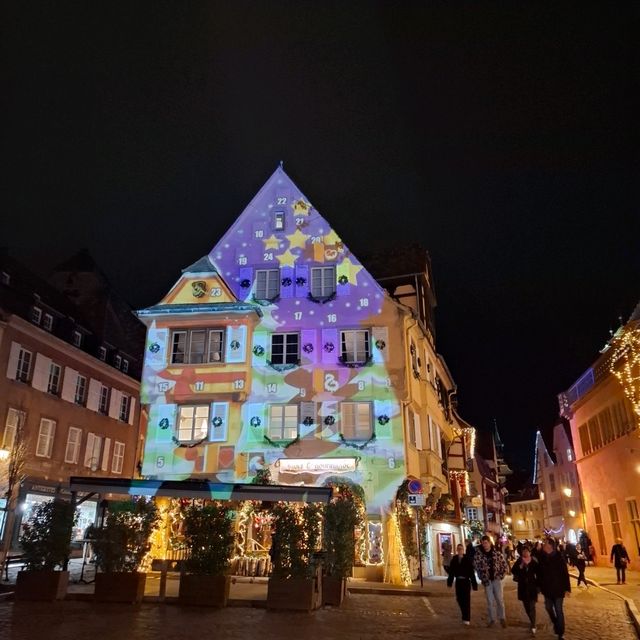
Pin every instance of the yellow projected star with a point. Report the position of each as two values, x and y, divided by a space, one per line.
287 259
297 240
271 243
349 269
332 238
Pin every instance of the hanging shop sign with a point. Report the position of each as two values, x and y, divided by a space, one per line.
317 465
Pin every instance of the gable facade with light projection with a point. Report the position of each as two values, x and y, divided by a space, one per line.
277 350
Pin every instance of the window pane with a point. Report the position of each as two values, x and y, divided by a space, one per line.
179 347
215 346
196 347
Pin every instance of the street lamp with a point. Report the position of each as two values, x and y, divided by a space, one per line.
4 454
567 492
572 513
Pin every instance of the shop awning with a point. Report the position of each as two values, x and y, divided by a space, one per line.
200 489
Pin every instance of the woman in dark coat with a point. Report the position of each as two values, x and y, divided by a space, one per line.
580 563
461 569
526 573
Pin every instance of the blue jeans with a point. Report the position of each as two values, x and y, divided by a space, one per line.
495 599
554 609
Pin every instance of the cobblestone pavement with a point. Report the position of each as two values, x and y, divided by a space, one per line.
606 577
591 615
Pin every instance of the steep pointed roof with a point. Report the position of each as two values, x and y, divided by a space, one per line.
281 229
201 266
635 316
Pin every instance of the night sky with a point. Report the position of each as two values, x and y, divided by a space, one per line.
501 136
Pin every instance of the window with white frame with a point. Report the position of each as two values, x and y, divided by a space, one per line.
283 421
355 346
356 420
569 455
472 513
103 402
46 434
93 451
267 284
5 278
76 338
278 220
47 322
80 396
55 375
102 353
23 370
74 440
285 348
125 405
193 422
323 281
118 362
14 422
118 457
197 346
36 315
125 366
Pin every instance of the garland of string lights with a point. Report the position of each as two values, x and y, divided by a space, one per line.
627 354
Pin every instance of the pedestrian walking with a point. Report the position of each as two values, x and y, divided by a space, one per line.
554 584
580 562
447 552
461 569
491 567
526 572
620 559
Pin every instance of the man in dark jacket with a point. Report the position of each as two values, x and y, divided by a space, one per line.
554 584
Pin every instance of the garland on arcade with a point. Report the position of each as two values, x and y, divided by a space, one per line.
281 445
355 445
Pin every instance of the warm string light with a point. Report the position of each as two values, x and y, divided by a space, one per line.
470 434
405 573
627 352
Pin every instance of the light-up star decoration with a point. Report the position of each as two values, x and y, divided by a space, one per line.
349 269
297 240
301 208
287 259
271 243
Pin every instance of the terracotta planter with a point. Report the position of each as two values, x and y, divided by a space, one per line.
334 590
41 585
203 590
295 594
120 587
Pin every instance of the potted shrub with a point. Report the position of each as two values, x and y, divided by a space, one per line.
120 546
45 544
295 581
208 533
342 515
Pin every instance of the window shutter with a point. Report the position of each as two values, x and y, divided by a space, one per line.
88 449
43 438
287 274
12 365
255 433
114 403
93 395
261 345
219 411
236 344
329 409
69 384
105 455
41 372
157 347
418 431
308 410
330 346
161 426
309 339
380 337
302 280
132 409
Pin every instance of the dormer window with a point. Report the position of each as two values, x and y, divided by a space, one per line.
47 322
5 278
76 338
102 353
118 362
278 220
36 315
125 366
